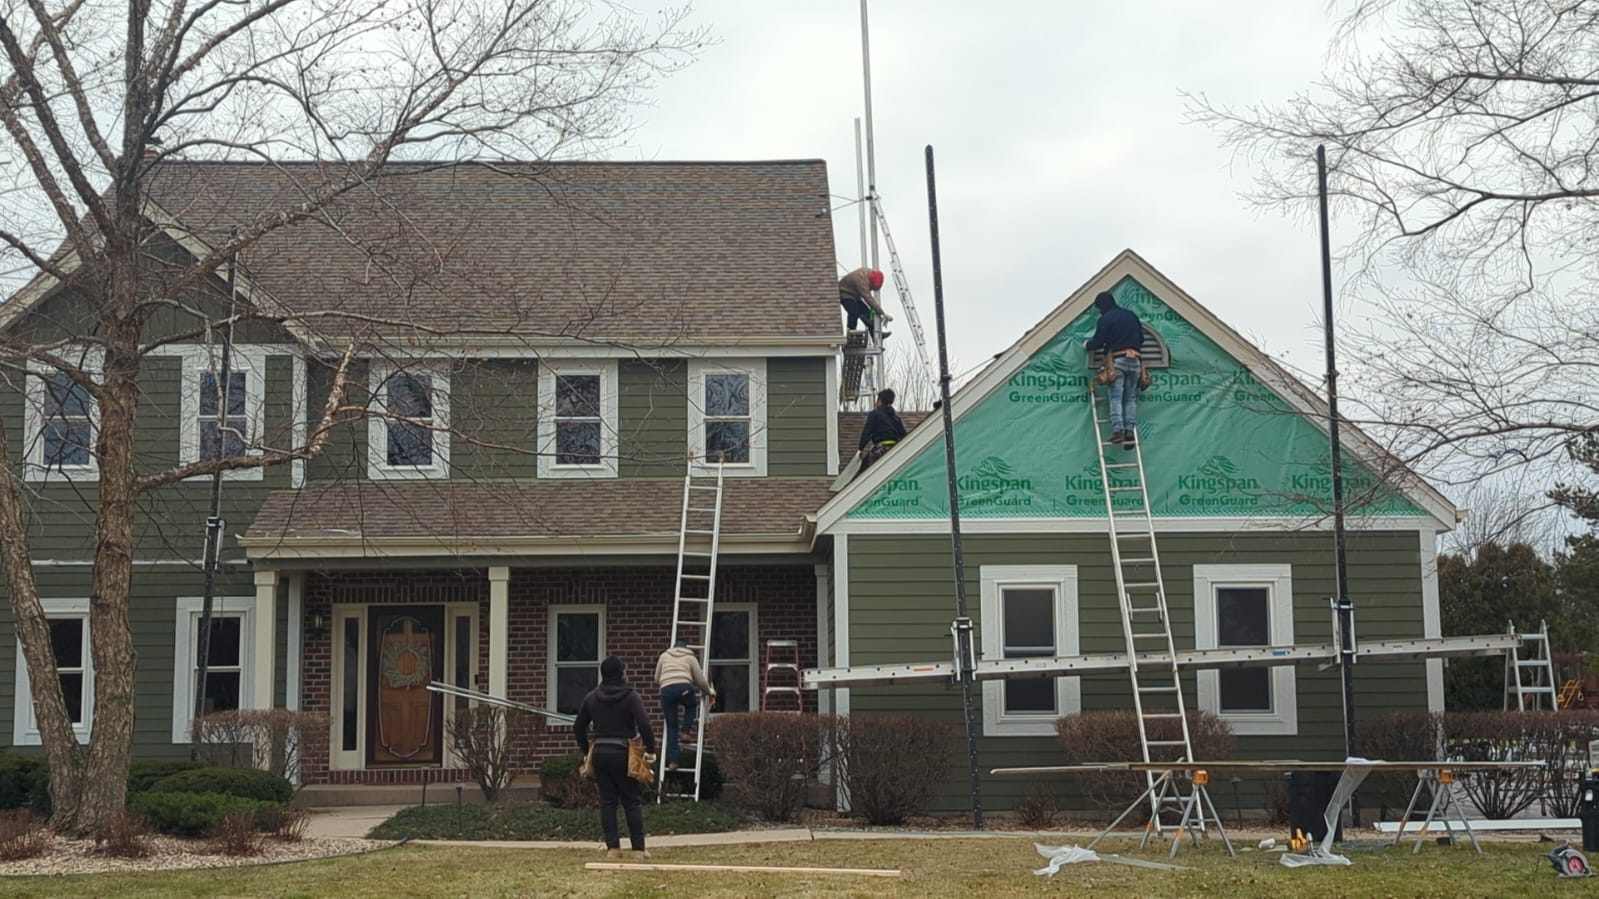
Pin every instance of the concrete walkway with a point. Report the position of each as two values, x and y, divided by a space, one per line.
351 821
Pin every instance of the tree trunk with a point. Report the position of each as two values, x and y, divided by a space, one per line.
60 744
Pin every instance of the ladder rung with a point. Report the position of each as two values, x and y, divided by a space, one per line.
1144 610
1153 635
698 531
697 509
1145 561
1163 715
703 487
781 690
781 666
1124 487
1121 465
697 577
1166 742
1143 689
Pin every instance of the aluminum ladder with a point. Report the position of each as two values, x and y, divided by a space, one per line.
694 605
903 285
1157 686
1529 681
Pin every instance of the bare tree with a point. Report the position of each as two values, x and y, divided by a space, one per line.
98 96
1463 141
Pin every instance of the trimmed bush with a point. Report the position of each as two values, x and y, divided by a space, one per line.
1498 737
22 836
892 764
122 835
1396 737
1112 736
560 785
143 775
194 814
770 758
245 783
22 779
235 835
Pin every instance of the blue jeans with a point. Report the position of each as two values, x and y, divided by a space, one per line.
674 696
1124 394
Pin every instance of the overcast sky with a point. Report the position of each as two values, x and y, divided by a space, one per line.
1060 140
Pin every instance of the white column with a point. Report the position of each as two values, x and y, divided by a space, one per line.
266 618
499 630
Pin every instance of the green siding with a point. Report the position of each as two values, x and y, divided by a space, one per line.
652 418
343 458
493 419
797 406
902 600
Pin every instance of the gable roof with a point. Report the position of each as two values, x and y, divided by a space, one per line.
648 254
1299 397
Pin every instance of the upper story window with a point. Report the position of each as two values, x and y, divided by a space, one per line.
62 421
727 415
1239 606
218 422
577 419
408 427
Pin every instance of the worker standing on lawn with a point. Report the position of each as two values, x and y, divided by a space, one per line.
617 713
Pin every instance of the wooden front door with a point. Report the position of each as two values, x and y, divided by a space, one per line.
405 723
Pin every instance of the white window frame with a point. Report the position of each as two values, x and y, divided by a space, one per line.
756 370
185 646
251 362
24 730
607 370
92 361
751 609
377 459
453 611
549 644
1283 719
339 758
1068 690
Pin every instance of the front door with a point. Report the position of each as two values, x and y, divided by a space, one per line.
405 723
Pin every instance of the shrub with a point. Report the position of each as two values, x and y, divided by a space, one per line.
143 775
892 765
1277 805
1039 808
1498 737
493 743
1112 736
22 836
560 785
1396 737
770 758
241 738
246 783
1565 749
123 835
22 779
235 835
194 814
290 825
711 781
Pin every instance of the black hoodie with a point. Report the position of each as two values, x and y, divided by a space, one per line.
616 710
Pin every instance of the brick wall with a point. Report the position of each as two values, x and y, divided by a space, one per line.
638 621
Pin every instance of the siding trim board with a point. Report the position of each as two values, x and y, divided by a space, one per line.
1431 616
1207 524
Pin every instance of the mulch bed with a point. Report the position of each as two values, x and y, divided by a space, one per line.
168 853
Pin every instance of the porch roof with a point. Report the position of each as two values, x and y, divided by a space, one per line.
382 519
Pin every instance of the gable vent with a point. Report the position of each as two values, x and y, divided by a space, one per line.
1154 352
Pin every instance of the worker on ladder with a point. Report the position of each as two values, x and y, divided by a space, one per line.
1121 335
855 295
680 678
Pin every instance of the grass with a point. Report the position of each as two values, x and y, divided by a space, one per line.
536 821
932 867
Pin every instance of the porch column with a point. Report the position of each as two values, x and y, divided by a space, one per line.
499 630
266 619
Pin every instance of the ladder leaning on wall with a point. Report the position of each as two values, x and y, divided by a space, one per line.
1158 702
694 605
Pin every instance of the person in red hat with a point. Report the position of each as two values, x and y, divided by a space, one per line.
855 295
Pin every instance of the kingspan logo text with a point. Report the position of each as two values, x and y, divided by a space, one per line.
992 474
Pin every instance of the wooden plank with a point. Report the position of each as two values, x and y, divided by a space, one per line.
741 869
1484 824
1263 766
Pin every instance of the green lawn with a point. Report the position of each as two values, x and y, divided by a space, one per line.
967 867
537 821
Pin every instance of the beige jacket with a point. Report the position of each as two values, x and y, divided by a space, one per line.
679 665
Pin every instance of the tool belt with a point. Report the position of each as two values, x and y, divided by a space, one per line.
1108 372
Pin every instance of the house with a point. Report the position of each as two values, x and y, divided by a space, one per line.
1237 467
538 350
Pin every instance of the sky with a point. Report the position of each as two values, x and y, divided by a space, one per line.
1060 136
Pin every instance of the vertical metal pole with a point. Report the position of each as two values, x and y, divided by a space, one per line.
963 623
213 523
860 191
1346 608
871 155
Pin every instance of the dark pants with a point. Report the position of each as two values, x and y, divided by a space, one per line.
675 697
859 311
610 773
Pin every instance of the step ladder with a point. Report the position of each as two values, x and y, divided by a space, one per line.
694 608
1158 703
780 678
1531 681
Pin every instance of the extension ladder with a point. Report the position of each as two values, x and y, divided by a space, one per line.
1158 700
694 606
1529 681
863 356
785 663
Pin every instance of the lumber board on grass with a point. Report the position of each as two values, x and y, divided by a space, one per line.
741 869
1488 825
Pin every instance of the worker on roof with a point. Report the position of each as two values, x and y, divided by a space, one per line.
680 678
855 295
1121 335
882 430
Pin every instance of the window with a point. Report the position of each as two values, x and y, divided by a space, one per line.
69 642
1241 606
733 658
727 415
577 646
577 419
228 666
408 434
62 420
218 423
1028 611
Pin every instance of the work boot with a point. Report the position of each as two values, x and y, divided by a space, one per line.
641 854
1116 436
613 853
1129 439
